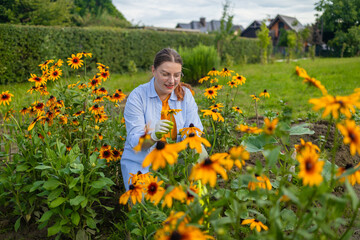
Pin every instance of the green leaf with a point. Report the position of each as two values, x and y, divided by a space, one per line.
54 194
54 229
46 216
73 182
91 223
84 203
353 196
137 232
301 129
81 235
289 219
57 202
22 168
102 182
272 156
36 185
257 143
75 218
42 167
77 200
17 224
51 184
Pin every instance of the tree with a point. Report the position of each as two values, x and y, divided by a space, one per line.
225 27
264 41
291 43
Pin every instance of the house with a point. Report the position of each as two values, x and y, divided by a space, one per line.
283 22
250 31
205 27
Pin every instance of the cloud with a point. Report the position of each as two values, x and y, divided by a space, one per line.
167 13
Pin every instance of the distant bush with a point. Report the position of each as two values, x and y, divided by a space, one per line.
23 48
197 62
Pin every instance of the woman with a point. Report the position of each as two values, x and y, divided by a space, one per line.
143 110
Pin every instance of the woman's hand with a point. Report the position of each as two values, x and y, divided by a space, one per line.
161 128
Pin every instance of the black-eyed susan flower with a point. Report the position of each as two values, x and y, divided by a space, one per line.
353 178
52 100
68 148
94 82
117 97
86 54
102 67
216 116
82 86
310 167
39 108
144 138
216 106
264 94
5 98
33 88
55 74
37 80
102 91
304 144
169 113
59 103
106 154
351 133
213 80
254 97
104 75
31 126
301 72
135 193
248 129
232 83
316 83
210 93
254 223
194 142
98 99
181 231
213 72
335 105
59 63
260 182
116 154
207 171
201 80
225 72
75 61
163 154
78 113
239 79
153 190
105 147
193 189
270 126
238 156
75 122
45 64
177 193
24 111
191 129
139 177
9 114
237 109
217 87
96 109
102 117
100 136
63 119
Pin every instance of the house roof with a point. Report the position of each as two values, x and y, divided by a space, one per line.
250 31
213 25
292 22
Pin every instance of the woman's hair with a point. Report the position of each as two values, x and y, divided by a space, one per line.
170 55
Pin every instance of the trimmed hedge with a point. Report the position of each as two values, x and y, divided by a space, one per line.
23 48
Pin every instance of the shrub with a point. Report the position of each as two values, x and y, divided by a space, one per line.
197 62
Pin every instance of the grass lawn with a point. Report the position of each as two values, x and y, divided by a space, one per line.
339 76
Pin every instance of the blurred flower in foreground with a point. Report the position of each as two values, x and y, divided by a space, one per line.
254 223
207 171
5 98
351 133
310 167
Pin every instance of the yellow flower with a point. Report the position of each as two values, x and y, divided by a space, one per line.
316 83
310 167
176 193
239 79
37 80
353 178
96 109
104 75
213 72
45 64
135 193
214 80
163 154
55 74
78 113
269 127
336 105
201 80
153 190
214 114
238 156
75 61
117 97
59 63
254 97
139 177
301 72
106 154
191 129
170 112
102 67
195 142
237 109
210 93
189 195
5 98
226 72
31 126
304 144
101 117
248 129
217 87
261 182
207 171
142 139
116 154
94 82
232 83
254 223
351 133
181 232
264 93
86 54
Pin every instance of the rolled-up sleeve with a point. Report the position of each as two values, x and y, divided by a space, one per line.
134 118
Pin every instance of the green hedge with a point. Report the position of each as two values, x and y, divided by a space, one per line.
23 48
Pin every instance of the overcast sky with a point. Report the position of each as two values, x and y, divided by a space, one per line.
167 13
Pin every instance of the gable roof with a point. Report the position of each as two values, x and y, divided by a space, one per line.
250 31
291 22
213 25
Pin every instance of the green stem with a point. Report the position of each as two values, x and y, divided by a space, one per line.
327 134
333 151
351 223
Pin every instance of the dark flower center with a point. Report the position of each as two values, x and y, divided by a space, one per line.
102 89
115 152
96 106
348 166
4 96
189 195
76 60
119 90
211 91
256 175
51 97
37 79
93 81
352 136
213 69
191 134
175 236
131 187
225 69
160 145
309 165
214 110
152 189
256 220
265 91
207 162
139 172
117 95
106 153
55 73
191 125
39 105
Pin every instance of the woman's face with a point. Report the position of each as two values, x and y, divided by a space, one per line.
167 77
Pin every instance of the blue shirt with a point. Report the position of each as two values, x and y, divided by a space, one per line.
143 107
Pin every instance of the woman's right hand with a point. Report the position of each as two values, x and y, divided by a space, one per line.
161 128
